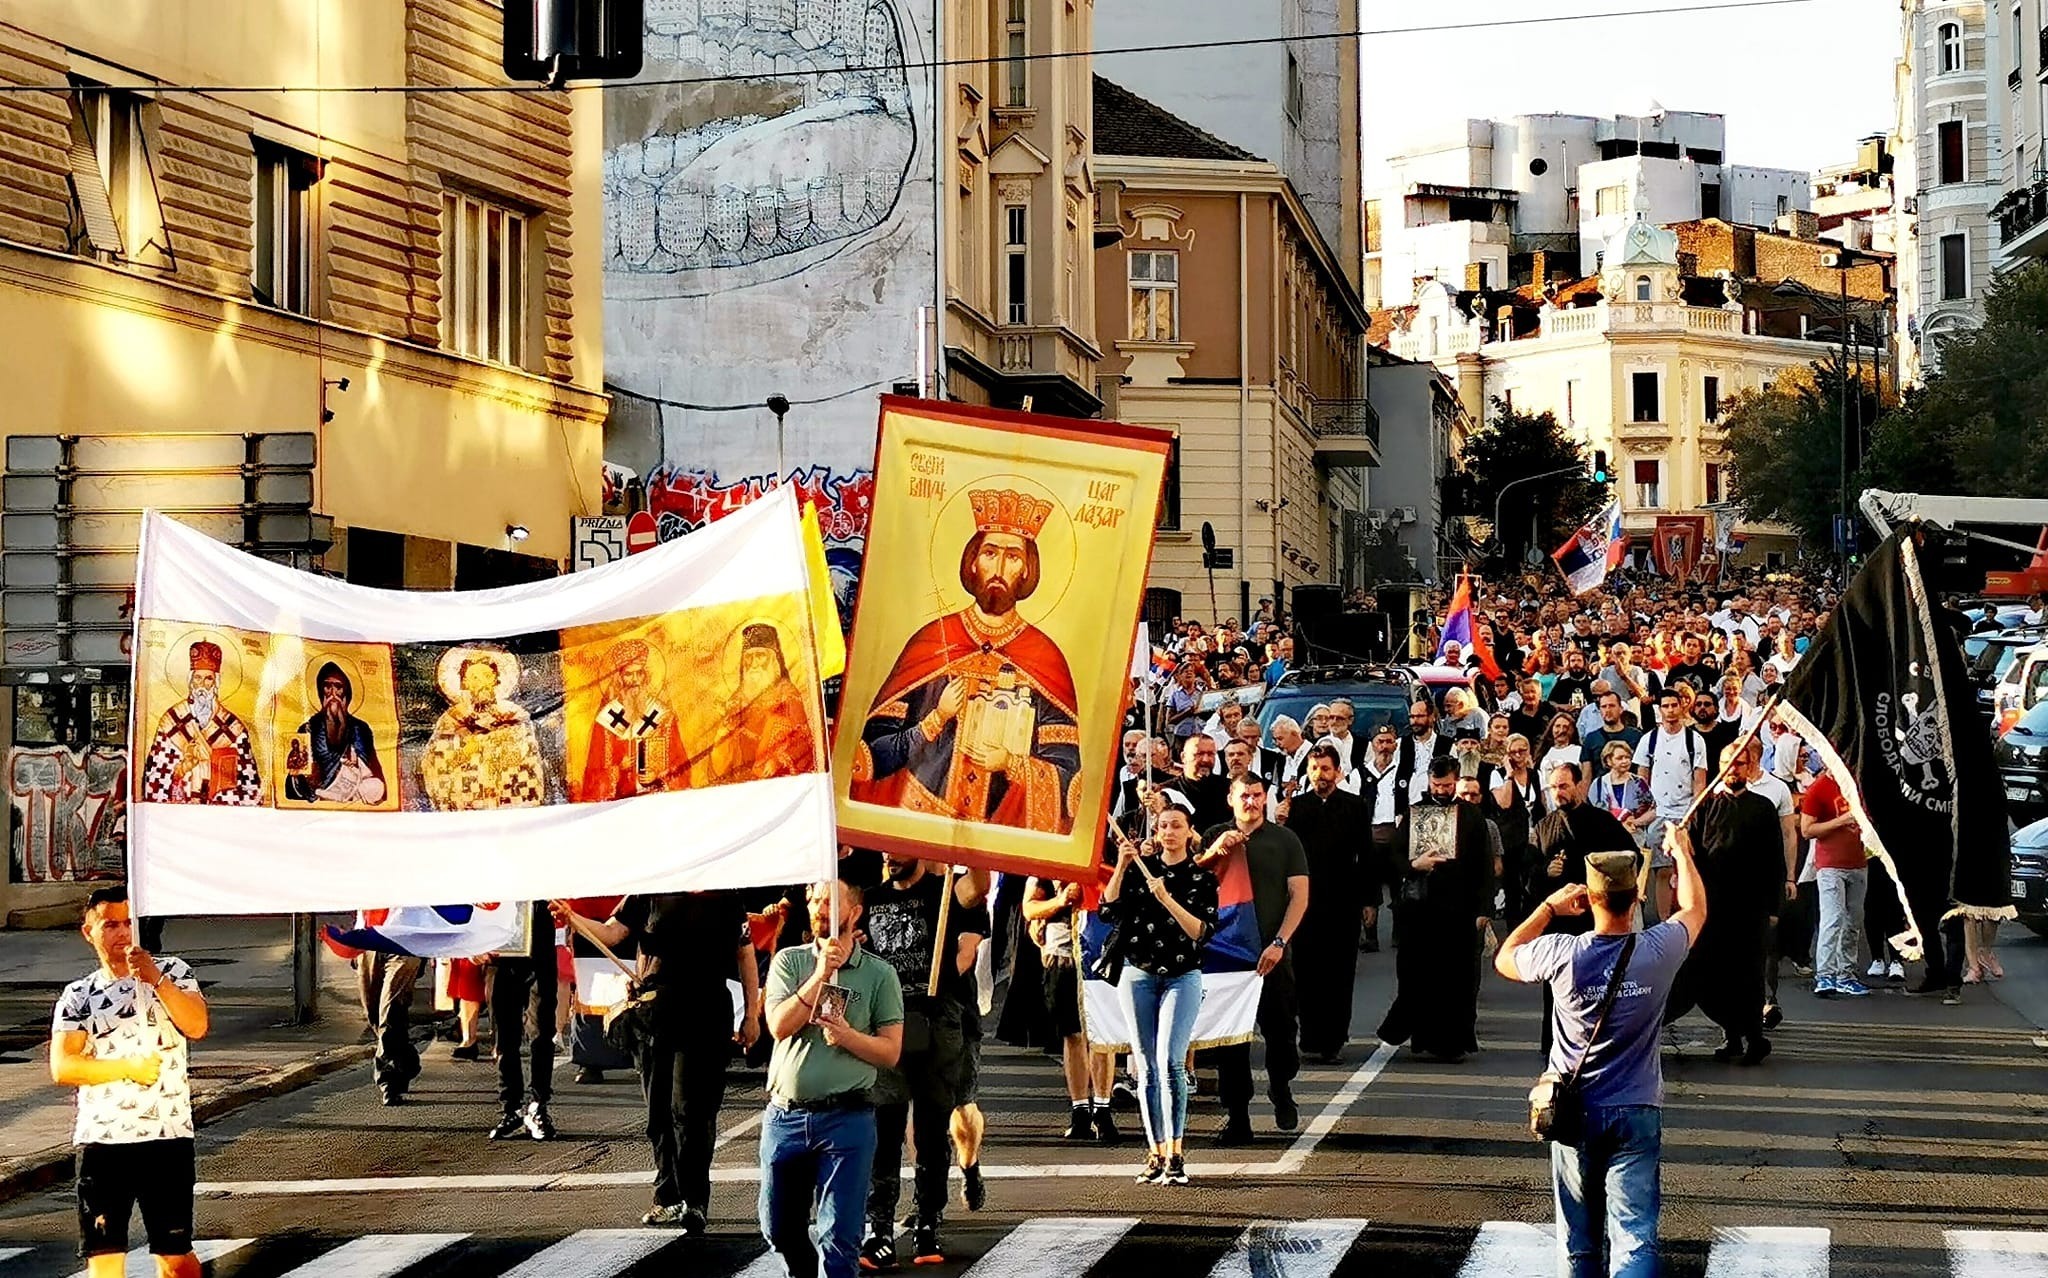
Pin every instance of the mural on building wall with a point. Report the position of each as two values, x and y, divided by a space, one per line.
70 813
769 235
683 501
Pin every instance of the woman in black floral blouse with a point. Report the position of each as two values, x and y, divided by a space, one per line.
1163 926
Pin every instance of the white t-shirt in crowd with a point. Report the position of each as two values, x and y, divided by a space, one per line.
123 1019
1378 789
1671 758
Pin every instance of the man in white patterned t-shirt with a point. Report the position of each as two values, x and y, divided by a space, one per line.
119 1036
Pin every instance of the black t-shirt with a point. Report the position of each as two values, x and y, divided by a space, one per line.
1211 797
689 946
1153 940
901 924
1561 692
1702 675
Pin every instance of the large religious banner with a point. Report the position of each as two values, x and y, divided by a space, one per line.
304 745
985 686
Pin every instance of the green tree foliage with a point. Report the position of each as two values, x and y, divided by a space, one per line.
1785 448
1980 426
1517 445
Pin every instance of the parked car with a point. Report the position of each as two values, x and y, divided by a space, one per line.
2030 876
2022 758
1378 694
2021 687
1995 654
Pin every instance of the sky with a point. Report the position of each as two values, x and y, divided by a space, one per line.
1798 84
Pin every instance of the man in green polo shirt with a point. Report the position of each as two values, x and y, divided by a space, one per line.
818 1136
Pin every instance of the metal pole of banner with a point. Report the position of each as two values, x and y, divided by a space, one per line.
305 969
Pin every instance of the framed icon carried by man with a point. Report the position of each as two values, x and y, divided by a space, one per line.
986 681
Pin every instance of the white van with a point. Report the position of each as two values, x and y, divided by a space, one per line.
2024 686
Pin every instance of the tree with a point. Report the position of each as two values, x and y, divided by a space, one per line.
1785 448
1980 425
1516 446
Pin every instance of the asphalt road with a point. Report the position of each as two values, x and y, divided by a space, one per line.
1890 1136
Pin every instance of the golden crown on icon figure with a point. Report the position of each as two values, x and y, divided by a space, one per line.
1005 510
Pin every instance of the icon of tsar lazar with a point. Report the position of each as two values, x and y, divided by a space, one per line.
977 720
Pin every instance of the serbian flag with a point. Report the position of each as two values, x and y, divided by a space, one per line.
1593 551
1230 970
432 931
1459 629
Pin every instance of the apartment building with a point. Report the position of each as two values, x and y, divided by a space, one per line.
356 332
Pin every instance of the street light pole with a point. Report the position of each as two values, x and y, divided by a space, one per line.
1502 495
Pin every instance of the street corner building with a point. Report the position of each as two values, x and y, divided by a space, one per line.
360 334
1006 562
319 746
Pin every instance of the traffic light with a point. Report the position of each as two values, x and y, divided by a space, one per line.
1600 475
556 40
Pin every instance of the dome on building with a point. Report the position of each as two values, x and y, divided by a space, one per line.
1644 245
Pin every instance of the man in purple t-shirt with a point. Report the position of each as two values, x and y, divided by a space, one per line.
1621 1079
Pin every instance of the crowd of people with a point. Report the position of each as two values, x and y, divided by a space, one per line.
1599 791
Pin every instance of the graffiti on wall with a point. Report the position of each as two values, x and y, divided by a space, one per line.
769 230
683 501
70 813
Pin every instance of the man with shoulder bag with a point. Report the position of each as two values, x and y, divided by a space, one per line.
1600 1105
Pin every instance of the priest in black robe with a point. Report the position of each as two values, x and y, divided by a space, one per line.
1335 828
1740 846
1443 899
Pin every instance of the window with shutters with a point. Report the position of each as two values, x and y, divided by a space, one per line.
1609 200
1949 136
1643 398
1649 483
282 263
1955 268
1016 265
114 208
483 279
1016 57
1169 492
1155 297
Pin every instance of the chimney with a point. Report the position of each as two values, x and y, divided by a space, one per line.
1539 270
1475 276
1800 224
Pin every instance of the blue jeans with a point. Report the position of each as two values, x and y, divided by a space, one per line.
1608 1194
1162 1011
822 1156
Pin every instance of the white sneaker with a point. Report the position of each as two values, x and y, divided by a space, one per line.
1897 971
1876 972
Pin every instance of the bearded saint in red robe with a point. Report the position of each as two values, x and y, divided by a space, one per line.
977 721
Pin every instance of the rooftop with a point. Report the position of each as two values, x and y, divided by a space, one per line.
1126 124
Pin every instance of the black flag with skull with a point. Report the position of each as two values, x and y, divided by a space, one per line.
1883 695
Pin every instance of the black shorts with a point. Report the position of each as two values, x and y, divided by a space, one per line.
1063 998
113 1180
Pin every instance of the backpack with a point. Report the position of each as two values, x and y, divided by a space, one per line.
1695 745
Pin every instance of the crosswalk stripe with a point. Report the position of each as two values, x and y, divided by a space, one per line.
1290 1249
1511 1249
140 1264
1996 1253
375 1256
593 1253
9 1253
1059 1245
766 1265
1769 1252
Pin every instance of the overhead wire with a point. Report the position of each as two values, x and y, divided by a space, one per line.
935 64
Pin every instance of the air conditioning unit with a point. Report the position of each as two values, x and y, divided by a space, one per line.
1404 514
1375 517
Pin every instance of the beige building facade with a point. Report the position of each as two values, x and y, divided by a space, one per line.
1230 321
357 331
1019 227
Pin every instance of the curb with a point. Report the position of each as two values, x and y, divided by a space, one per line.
46 1167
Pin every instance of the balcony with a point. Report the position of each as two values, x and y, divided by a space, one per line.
2022 218
1347 431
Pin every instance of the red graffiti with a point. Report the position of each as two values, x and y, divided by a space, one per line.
685 501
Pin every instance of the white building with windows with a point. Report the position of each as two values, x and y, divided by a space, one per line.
1471 208
1642 360
2018 41
1950 156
